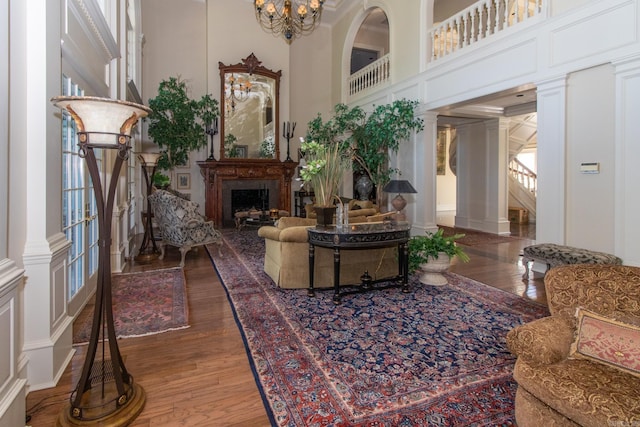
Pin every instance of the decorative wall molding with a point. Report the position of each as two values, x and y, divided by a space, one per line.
96 27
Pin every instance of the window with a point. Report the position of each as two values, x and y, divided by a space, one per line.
79 210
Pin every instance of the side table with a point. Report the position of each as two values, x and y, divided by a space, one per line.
361 236
298 201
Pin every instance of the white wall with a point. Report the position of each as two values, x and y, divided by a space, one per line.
590 201
175 45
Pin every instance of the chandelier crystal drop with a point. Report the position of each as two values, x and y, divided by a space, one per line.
282 18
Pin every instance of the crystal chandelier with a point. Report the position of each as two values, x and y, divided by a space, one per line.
279 17
237 90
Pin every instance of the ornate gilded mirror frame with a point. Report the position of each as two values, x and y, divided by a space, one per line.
250 111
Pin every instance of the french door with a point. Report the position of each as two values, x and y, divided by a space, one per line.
79 213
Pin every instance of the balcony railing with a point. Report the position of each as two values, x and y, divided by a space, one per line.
371 76
479 21
524 176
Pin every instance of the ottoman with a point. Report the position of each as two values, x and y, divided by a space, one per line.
554 255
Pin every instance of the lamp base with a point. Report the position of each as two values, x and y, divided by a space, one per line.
398 203
120 418
146 257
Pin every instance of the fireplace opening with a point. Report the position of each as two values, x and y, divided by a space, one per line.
246 199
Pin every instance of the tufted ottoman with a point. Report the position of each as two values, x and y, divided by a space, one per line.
554 255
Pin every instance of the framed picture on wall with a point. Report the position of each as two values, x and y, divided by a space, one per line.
243 151
184 181
441 153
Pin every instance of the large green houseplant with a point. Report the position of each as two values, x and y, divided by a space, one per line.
432 253
177 122
371 137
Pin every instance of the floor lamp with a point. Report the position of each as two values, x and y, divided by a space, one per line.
148 249
106 393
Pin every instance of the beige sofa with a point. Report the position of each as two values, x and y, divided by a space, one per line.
286 258
559 386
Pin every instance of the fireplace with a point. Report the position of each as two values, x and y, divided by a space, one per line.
222 177
242 194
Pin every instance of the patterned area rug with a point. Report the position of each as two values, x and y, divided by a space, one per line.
144 303
435 356
475 238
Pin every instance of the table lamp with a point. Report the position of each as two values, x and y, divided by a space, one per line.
399 186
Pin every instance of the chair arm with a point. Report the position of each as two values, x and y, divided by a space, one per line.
269 232
295 234
543 341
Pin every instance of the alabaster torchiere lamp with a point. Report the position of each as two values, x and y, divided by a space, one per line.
106 393
148 249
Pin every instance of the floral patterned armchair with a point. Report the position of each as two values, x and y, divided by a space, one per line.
180 223
581 365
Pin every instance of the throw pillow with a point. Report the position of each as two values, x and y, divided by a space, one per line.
607 341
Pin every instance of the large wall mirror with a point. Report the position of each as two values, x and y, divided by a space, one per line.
250 111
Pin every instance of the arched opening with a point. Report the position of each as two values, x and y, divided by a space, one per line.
371 41
369 56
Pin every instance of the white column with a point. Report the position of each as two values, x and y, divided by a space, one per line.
423 211
497 161
12 360
35 130
627 147
463 176
550 209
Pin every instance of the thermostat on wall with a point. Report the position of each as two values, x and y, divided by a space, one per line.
590 167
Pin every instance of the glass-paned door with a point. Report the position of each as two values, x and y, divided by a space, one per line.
79 212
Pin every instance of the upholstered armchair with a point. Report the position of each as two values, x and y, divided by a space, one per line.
581 365
180 223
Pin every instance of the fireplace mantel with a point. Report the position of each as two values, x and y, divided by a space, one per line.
216 173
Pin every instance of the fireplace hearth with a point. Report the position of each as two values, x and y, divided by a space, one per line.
256 199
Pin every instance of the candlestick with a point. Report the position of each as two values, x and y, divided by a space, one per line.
211 129
287 132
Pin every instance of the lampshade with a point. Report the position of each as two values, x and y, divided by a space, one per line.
399 186
149 159
101 117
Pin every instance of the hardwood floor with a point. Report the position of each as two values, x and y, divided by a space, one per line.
201 376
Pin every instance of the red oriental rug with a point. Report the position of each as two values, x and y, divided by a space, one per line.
144 303
435 356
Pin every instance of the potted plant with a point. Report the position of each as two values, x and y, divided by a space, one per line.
371 137
325 166
177 122
230 146
432 254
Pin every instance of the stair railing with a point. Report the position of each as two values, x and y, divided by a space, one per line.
524 175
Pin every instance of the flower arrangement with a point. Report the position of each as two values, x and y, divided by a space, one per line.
230 147
267 148
324 168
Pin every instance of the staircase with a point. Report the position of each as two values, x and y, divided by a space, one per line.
522 180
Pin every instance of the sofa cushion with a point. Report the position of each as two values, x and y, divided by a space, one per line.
607 341
360 204
591 394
